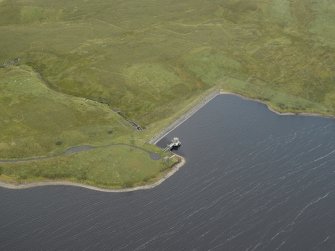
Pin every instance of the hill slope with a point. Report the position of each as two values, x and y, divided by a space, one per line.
148 59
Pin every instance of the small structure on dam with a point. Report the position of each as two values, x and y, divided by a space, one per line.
175 143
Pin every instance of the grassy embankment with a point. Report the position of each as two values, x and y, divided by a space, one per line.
80 61
41 122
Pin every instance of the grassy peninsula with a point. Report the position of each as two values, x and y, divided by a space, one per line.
82 72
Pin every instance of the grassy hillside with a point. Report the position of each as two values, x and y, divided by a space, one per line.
37 120
81 62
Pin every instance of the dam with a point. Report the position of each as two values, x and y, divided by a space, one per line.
253 180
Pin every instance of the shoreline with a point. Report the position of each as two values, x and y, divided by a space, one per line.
309 114
173 170
211 96
155 140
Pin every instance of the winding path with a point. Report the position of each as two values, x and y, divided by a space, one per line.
78 149
85 148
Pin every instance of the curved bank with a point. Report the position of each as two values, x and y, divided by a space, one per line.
173 170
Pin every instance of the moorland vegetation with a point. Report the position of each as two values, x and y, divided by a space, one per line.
84 72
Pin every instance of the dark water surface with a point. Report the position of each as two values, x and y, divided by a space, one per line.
253 181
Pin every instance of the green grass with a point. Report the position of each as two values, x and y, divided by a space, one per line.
80 61
37 120
115 166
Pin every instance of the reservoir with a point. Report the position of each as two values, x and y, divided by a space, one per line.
254 180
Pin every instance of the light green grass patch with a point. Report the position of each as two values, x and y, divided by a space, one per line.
153 77
281 11
324 23
210 65
30 14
